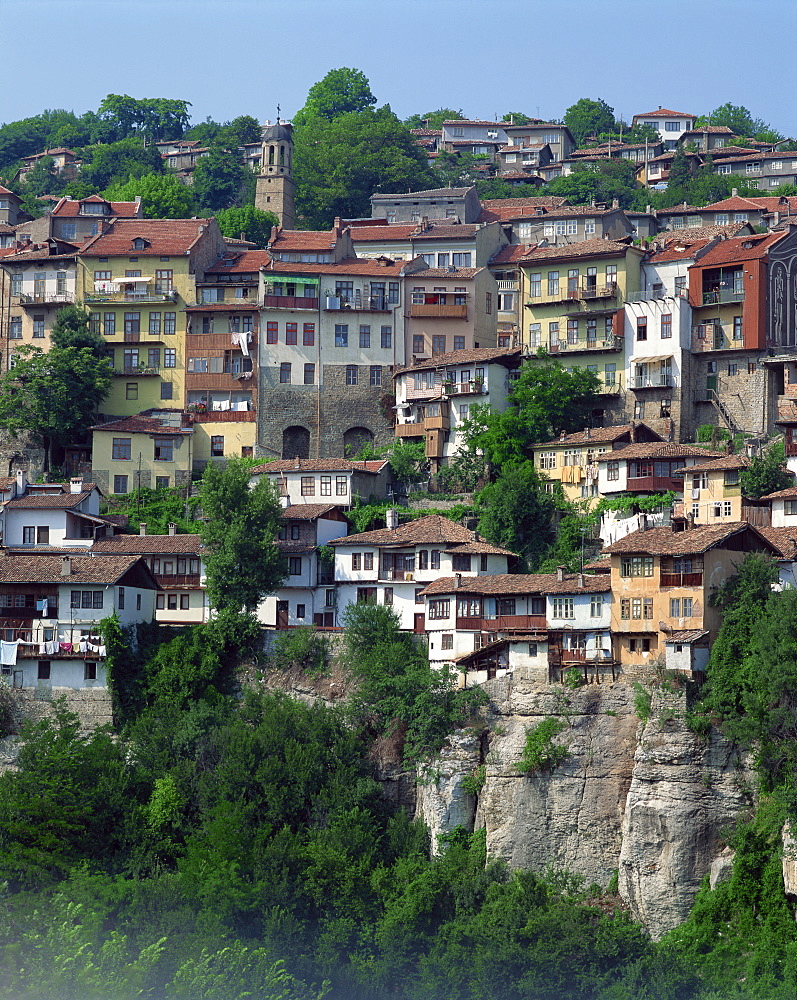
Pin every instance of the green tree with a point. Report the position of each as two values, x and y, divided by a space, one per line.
243 563
53 396
459 169
766 473
680 170
516 513
740 121
71 330
517 118
104 165
255 224
123 117
343 91
163 196
219 179
603 181
587 117
434 119
242 130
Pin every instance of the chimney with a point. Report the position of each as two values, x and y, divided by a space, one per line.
172 528
66 565
690 521
560 573
297 463
142 528
581 579
285 501
457 581
22 482
392 518
586 433
76 484
734 192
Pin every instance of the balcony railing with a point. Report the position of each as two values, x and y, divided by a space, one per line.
47 298
507 286
655 484
598 291
438 310
652 381
587 344
137 370
681 580
28 613
508 622
290 302
178 579
402 575
720 295
614 387
142 296
657 293
358 303
464 388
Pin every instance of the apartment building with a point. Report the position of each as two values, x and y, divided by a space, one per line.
449 309
556 136
440 244
450 204
713 493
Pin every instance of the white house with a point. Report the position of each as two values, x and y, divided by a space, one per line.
536 624
307 596
434 397
670 125
393 565
50 607
54 514
326 480
648 468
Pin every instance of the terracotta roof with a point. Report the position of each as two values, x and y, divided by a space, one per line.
4 190
594 434
729 462
788 494
361 234
765 204
665 113
517 583
666 542
47 569
784 540
236 305
510 253
689 233
459 273
481 548
250 261
712 129
48 500
308 511
731 152
141 425
349 265
430 530
165 237
319 465
69 209
509 209
518 149
586 248
6 482
474 121
678 250
739 248
139 545
663 450
686 635
426 131
482 354
300 239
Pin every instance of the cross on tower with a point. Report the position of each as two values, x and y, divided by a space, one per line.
278 114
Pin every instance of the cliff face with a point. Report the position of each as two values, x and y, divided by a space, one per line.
647 800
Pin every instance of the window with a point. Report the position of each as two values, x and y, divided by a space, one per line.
461 563
351 374
309 374
120 484
483 564
434 559
341 486
341 335
16 284
553 282
572 331
169 357
161 482
308 334
121 599
419 595
153 357
163 281
43 536
329 598
376 375
43 673
589 227
368 560
164 449
356 561
169 323
535 285
417 343
291 333
447 641
295 566
563 607
308 486
439 609
132 323
460 259
553 333
272 332
642 328
197 364
121 448
387 336
636 566
38 326
666 326
185 602
131 390
488 303
672 126
217 445
15 329
596 605
438 344
365 336
285 371
28 536
388 599
737 328
647 606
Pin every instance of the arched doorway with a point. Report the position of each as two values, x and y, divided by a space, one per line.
296 442
354 439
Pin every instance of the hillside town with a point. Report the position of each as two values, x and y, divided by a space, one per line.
313 355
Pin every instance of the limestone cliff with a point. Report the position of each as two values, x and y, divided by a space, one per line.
646 799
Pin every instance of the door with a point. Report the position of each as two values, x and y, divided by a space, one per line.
420 622
282 614
711 386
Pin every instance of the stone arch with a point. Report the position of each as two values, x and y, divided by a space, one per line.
296 442
16 462
354 439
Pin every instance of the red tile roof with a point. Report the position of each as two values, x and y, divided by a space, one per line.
738 204
288 240
586 248
85 569
685 248
141 425
740 248
474 121
376 266
318 465
526 583
430 530
598 434
510 355
249 261
665 541
66 209
663 450
789 494
665 113
311 511
361 234
511 253
507 209
165 237
433 231
428 192
48 500
141 545
784 540
718 465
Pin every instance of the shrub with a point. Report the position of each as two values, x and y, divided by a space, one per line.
301 647
540 752
474 782
642 701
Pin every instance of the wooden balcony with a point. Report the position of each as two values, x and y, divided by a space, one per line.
411 429
654 484
509 623
178 580
438 310
681 580
225 417
289 302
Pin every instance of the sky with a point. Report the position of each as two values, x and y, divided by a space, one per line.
485 57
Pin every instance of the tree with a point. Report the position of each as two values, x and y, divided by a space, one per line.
434 119
518 118
515 513
604 181
104 165
163 196
254 223
342 91
243 563
71 330
219 179
153 117
766 474
242 130
587 117
680 170
459 169
740 121
53 396
339 164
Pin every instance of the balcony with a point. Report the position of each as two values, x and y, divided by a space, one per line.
507 286
510 623
613 388
400 575
598 291
142 296
47 299
587 344
26 615
681 580
719 296
464 388
358 303
224 416
711 337
438 310
654 484
169 580
657 293
138 370
289 302
652 381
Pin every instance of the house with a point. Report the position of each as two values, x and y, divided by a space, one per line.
784 508
65 162
449 309
536 624
307 596
768 168
393 565
505 268
556 136
526 160
153 451
568 225
764 211
662 580
707 138
175 562
434 397
648 468
53 514
572 459
451 204
713 493
655 172
671 125
439 243
78 220
306 480
480 138
136 278
51 606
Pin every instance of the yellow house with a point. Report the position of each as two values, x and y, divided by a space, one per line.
142 451
713 493
136 278
573 298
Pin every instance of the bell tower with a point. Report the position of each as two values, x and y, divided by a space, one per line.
274 188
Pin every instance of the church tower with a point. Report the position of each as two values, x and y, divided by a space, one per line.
274 190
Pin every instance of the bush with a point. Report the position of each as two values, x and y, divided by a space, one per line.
7 712
540 752
642 701
300 647
474 782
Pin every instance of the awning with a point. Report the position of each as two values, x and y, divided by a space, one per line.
654 357
129 281
686 635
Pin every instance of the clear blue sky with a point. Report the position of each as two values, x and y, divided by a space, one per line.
231 57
